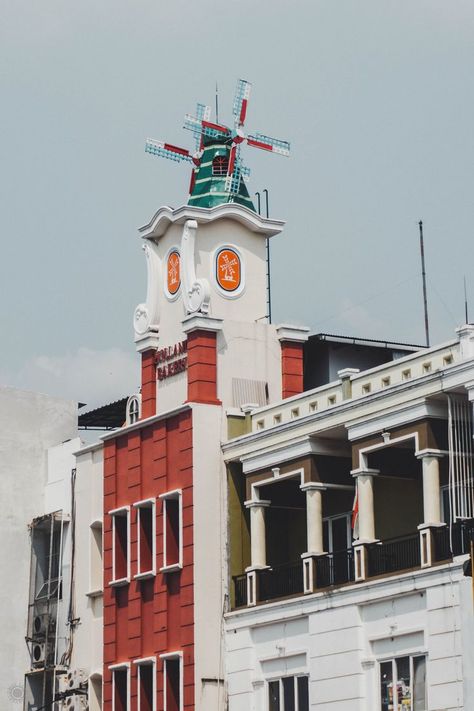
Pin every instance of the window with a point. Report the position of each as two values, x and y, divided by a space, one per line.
120 687
403 684
146 525
120 546
386 381
313 406
220 165
295 413
172 531
288 694
277 419
133 409
406 374
95 559
448 360
146 684
427 367
172 681
366 388
331 400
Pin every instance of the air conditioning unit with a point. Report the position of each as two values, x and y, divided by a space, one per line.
75 703
43 624
74 679
38 654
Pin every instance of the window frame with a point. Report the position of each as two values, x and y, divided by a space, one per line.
121 666
172 495
139 506
143 662
173 656
279 679
120 511
132 416
95 590
393 660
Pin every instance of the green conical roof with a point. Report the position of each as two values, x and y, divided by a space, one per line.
209 188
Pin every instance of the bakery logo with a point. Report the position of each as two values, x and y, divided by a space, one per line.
173 272
171 360
228 269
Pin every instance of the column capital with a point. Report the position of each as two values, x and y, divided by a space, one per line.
254 503
150 341
364 472
436 453
198 322
313 486
347 373
296 334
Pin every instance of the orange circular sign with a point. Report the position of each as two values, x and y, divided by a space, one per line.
173 272
228 269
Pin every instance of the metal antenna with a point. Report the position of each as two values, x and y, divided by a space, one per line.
465 301
269 288
258 202
423 275
217 104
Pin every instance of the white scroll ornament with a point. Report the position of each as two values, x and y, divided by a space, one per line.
147 316
196 292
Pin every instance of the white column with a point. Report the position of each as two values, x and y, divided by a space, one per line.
258 551
314 517
431 491
365 496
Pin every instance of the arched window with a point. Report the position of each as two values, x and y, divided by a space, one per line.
220 165
133 409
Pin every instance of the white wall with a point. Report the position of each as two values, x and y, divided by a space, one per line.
30 423
339 638
87 650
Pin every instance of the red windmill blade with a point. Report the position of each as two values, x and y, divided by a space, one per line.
167 150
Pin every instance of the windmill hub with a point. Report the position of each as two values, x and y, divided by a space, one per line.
218 175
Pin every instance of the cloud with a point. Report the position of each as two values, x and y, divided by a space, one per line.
92 376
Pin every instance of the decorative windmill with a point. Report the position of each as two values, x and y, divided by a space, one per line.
218 173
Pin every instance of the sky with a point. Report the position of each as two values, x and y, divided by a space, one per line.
375 97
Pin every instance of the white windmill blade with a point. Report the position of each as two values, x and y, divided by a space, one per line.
203 113
266 143
241 97
166 150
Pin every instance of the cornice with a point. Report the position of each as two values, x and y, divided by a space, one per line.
167 216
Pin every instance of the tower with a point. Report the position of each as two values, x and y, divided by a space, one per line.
206 350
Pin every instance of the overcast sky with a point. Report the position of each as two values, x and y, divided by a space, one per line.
375 97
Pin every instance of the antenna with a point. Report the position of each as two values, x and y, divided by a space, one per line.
423 275
269 289
258 202
466 315
217 104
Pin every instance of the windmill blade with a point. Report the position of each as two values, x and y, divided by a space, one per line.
234 171
267 143
166 150
241 97
203 113
203 127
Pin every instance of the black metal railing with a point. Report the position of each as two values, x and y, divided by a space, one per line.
280 581
393 555
240 590
441 543
455 541
335 568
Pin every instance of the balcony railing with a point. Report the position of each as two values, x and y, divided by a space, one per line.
240 590
280 581
335 568
455 541
393 555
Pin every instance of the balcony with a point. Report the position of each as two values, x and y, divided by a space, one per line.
337 569
394 555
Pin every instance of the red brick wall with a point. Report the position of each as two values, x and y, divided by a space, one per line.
153 616
148 384
202 367
291 368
